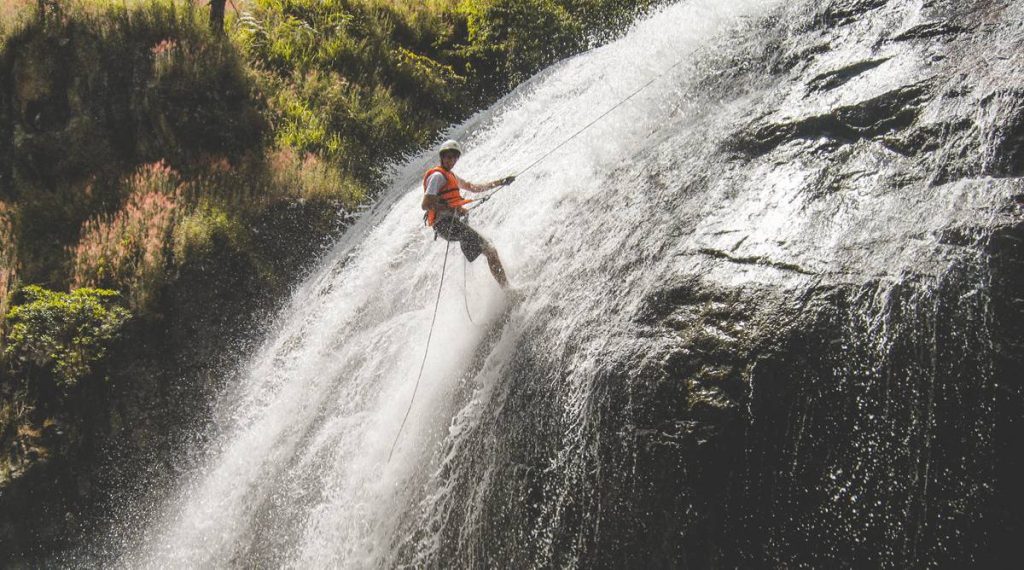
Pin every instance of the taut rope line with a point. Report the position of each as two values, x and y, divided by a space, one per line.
481 201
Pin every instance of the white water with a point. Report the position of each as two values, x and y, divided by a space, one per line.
298 476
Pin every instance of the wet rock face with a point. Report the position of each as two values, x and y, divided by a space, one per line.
828 373
868 416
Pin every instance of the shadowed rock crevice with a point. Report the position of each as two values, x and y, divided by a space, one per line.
1007 158
838 77
929 30
842 12
875 117
749 260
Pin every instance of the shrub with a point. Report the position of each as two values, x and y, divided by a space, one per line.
63 333
109 86
89 96
195 234
311 177
244 191
128 251
511 39
355 82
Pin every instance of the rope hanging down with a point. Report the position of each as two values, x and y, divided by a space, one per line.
426 351
465 289
483 200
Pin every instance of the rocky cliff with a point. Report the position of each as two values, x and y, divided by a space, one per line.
825 366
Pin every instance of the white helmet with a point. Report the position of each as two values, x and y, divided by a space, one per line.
451 144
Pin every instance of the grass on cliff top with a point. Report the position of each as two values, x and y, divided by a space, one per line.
98 97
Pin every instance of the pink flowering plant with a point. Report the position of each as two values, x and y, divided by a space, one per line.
164 54
128 251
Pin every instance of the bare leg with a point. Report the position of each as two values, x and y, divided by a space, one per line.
495 264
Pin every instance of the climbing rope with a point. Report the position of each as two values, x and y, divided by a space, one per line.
482 201
465 289
426 351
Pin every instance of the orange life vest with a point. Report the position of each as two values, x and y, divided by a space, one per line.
450 193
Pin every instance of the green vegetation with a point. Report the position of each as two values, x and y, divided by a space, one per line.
57 337
8 257
353 82
359 82
91 96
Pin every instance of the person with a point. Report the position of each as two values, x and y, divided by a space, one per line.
445 212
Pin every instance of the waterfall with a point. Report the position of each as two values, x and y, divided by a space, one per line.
698 275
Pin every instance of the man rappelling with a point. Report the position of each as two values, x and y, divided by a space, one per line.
445 210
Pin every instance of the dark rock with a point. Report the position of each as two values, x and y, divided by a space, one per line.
840 12
875 117
1007 157
929 30
833 79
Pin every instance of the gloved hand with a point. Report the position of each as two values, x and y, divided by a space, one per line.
506 181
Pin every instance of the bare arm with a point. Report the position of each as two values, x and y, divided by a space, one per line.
467 185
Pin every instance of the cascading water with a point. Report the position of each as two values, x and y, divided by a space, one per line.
710 278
